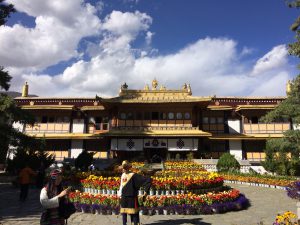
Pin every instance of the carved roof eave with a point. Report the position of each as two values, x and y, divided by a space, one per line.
160 133
254 107
67 135
221 107
92 108
49 107
245 136
155 101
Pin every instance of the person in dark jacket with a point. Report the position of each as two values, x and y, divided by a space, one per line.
130 185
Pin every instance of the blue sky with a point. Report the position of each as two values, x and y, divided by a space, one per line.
83 48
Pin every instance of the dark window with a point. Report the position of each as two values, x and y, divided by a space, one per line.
205 120
123 116
170 116
179 116
105 119
147 116
139 116
213 120
187 116
162 116
51 119
98 119
254 119
44 119
154 115
130 116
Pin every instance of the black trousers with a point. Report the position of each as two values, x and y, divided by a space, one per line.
135 219
24 192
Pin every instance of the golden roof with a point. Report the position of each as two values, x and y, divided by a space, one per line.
90 108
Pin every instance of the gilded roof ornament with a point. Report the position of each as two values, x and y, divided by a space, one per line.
184 87
154 84
189 89
162 88
146 88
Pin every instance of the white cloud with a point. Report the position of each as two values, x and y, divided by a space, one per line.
213 66
60 25
274 59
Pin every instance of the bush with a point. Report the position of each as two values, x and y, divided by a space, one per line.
177 156
84 160
228 163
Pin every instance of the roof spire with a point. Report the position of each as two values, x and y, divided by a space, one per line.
25 90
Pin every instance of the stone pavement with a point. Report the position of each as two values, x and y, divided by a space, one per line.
265 204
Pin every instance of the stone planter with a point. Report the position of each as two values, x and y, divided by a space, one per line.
141 192
165 212
151 192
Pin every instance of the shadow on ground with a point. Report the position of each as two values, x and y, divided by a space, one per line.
12 209
180 222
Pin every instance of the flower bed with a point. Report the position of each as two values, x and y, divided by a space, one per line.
268 181
180 204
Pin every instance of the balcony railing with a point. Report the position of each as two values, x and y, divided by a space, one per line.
98 127
48 128
156 128
266 128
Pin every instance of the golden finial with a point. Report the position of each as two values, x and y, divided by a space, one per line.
146 88
25 90
189 89
184 87
154 84
288 87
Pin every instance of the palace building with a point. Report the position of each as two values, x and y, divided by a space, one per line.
153 121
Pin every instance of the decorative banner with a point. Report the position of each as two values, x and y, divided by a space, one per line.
128 144
155 143
183 144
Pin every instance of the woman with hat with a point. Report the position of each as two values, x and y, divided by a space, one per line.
51 198
130 184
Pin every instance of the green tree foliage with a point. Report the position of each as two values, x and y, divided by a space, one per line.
228 163
9 112
278 150
84 160
32 153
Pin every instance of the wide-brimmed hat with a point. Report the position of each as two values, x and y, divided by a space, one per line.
55 173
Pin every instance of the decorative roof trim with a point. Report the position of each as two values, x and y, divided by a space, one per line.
52 107
67 136
245 137
221 107
243 107
90 108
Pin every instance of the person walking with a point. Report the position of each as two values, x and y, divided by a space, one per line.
25 179
52 198
130 184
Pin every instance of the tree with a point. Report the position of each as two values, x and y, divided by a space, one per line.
227 163
9 111
278 150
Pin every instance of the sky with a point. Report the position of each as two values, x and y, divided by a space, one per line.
82 48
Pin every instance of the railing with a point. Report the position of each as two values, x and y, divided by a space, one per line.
98 127
153 123
265 128
155 128
48 128
256 156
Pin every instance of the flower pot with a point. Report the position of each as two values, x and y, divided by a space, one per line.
150 212
182 192
109 192
141 192
173 192
104 191
167 192
98 212
141 212
157 192
113 192
177 192
151 192
165 212
114 212
156 211
108 212
162 192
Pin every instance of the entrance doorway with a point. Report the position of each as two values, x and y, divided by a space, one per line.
155 155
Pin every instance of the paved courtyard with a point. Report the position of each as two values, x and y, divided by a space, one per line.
265 204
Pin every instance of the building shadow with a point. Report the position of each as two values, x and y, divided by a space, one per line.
197 221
